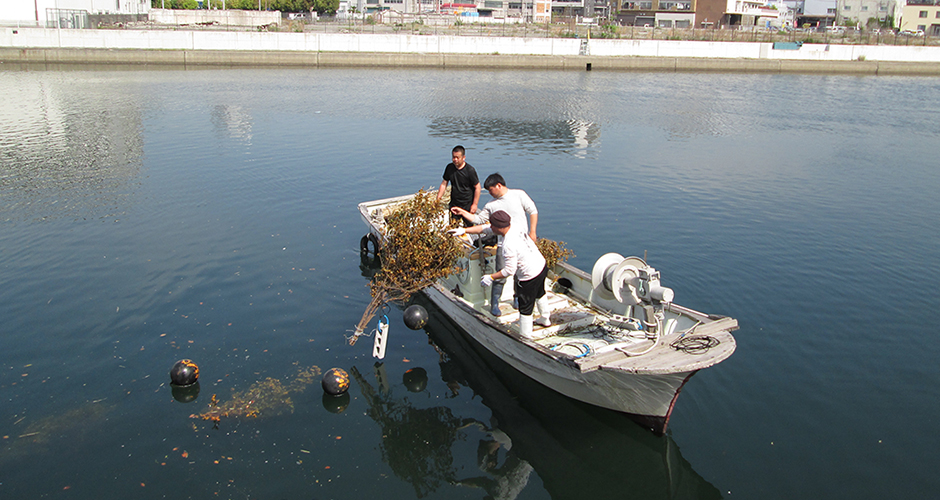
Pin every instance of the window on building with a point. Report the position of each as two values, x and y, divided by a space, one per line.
922 13
864 8
831 11
847 8
938 14
922 28
683 23
665 23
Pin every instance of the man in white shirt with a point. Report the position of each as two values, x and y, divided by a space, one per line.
515 202
522 260
521 209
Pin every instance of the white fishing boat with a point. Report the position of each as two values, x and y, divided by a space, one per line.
616 341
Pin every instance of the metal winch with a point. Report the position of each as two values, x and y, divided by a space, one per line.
630 281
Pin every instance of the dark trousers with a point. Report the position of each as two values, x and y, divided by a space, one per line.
529 291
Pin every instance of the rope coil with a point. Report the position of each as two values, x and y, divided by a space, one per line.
697 344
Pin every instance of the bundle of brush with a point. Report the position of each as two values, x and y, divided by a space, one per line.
417 251
553 251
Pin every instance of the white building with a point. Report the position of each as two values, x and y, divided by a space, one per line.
858 12
65 13
786 15
817 13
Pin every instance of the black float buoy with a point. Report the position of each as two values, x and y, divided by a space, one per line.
336 404
415 379
335 381
184 373
415 317
185 394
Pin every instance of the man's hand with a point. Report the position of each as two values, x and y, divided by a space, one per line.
459 231
487 280
533 237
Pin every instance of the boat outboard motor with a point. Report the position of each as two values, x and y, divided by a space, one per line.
630 281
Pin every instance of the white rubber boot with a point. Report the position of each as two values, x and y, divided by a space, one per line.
525 326
544 311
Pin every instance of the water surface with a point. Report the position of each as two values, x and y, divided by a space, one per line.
150 216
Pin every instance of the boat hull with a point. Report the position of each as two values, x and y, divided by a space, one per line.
646 398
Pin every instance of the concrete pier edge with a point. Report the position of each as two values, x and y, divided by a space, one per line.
321 59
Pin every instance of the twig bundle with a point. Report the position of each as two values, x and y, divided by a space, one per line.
553 251
415 253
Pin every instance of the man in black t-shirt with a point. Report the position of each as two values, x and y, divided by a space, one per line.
465 185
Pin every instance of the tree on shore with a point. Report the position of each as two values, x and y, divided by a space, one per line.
326 7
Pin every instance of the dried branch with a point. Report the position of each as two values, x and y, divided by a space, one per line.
415 253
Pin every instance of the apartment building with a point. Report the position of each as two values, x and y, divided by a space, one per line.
921 17
656 13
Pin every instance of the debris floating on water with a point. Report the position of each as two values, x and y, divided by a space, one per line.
266 397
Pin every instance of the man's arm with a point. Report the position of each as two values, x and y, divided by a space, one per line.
461 212
477 229
529 206
476 198
474 218
440 190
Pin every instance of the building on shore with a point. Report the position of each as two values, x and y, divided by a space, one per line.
69 13
471 11
921 18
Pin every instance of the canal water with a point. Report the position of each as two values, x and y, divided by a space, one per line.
148 216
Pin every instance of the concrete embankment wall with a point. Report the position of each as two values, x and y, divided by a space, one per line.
51 46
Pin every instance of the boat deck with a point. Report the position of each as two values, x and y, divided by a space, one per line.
593 340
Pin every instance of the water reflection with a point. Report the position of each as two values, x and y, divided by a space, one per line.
416 442
573 136
233 121
575 449
66 151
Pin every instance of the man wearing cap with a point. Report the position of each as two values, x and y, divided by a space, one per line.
523 260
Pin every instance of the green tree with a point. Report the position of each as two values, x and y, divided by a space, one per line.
326 7
174 4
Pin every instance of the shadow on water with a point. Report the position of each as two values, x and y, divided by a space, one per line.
575 449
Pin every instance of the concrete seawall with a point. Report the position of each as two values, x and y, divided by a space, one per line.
193 48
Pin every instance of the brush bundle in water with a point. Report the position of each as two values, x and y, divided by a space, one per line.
417 251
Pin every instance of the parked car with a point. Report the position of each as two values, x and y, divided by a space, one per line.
912 32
